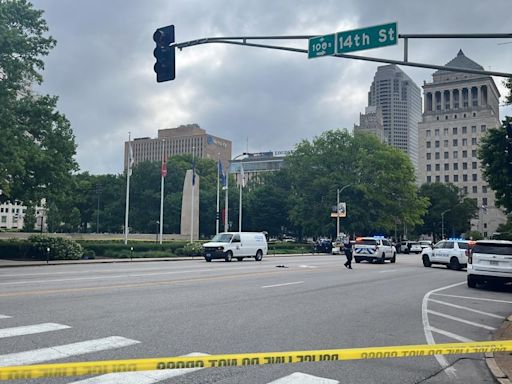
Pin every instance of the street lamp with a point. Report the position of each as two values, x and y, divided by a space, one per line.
338 191
442 222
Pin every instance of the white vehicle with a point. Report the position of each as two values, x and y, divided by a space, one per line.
229 245
490 261
415 247
372 249
425 244
452 252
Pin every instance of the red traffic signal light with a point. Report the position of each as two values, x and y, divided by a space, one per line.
165 66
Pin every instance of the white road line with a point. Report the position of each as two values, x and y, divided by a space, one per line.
474 298
302 378
443 362
282 285
63 351
5 317
451 335
462 320
467 309
390 270
145 377
31 329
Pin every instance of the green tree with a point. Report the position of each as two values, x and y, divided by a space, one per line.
37 144
508 84
381 178
497 165
458 210
29 220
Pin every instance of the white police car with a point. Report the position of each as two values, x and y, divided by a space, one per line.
452 252
375 248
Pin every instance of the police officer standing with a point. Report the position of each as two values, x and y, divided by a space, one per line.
347 245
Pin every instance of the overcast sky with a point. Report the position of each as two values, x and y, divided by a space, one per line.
102 67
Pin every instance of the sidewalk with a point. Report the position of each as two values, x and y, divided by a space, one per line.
500 363
5 263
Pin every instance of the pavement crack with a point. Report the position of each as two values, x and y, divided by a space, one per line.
443 369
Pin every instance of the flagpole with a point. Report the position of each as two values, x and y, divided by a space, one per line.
240 206
192 198
162 192
217 216
226 211
128 174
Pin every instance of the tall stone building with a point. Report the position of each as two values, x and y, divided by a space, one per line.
459 109
181 140
399 99
371 121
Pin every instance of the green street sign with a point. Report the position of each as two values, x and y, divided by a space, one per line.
366 38
322 46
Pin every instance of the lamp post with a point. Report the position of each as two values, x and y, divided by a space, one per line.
442 222
242 184
338 191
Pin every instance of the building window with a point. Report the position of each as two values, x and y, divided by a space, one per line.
438 167
483 128
428 144
445 143
428 132
429 156
473 141
445 131
446 167
446 155
465 178
464 154
484 201
473 165
464 166
4 219
455 178
429 179
475 189
455 166
464 130
438 179
465 190
473 153
464 142
429 167
437 144
455 154
437 156
473 129
455 143
475 177
484 189
436 132
454 130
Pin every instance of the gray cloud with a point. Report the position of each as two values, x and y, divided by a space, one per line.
102 67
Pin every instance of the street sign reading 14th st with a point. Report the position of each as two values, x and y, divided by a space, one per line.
354 40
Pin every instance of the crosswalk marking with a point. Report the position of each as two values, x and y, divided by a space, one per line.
5 317
302 378
63 351
462 320
145 377
467 309
451 335
31 329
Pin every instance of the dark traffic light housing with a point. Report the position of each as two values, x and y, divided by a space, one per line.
165 66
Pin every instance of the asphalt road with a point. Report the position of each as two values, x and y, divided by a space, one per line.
121 311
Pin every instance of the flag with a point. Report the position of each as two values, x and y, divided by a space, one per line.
163 170
222 176
193 171
242 174
130 158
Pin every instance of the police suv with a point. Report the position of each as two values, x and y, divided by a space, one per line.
376 248
452 252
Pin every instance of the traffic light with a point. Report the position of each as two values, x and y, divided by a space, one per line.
165 66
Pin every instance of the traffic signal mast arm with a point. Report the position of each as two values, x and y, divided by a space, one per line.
243 40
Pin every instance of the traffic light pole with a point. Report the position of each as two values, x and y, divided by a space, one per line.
243 40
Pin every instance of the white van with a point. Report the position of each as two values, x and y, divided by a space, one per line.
229 245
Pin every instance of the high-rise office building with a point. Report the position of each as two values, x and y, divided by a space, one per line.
459 109
399 99
177 141
371 122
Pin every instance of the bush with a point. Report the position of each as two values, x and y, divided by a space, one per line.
60 248
193 249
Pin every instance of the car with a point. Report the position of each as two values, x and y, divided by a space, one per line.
425 244
229 245
323 246
376 248
415 247
452 252
490 261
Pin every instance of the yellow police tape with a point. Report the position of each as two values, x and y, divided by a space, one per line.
246 359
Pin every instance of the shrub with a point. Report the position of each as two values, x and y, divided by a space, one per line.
60 248
193 249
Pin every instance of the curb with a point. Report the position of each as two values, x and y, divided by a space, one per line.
490 359
135 260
